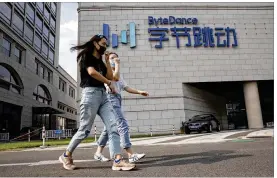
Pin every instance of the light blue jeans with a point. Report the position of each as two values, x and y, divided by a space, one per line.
122 124
94 101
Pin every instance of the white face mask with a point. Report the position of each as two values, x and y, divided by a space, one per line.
112 63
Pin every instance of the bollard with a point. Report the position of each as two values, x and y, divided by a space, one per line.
29 136
173 129
95 137
151 130
43 137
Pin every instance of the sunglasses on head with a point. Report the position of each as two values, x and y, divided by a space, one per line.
100 36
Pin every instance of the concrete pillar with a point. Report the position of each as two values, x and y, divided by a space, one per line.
79 89
253 106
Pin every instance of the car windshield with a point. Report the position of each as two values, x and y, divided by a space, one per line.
197 118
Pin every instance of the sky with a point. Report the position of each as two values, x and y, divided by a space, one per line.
68 37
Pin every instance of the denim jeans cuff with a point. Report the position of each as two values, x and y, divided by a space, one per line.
126 146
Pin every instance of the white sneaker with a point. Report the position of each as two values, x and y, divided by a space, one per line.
100 157
136 157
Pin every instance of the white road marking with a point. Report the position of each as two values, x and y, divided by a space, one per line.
47 162
152 141
207 138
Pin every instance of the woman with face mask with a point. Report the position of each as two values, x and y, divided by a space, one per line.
116 100
94 74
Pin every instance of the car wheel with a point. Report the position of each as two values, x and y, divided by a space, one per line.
218 128
187 131
209 128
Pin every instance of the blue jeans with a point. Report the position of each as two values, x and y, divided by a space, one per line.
123 128
94 101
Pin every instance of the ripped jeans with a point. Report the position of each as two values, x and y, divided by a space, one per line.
122 124
94 101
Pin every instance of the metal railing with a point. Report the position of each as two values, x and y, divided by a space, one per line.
67 133
151 131
4 136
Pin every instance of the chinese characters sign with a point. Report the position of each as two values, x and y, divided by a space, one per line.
196 36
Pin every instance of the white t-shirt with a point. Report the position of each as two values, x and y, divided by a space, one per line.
119 85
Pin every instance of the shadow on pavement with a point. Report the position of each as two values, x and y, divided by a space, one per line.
209 157
182 159
102 167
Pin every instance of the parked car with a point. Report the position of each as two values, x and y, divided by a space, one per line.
199 123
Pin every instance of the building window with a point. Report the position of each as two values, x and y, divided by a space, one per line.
37 42
42 95
18 54
5 74
62 85
46 14
66 108
46 75
61 106
49 76
51 56
6 47
40 6
30 12
18 23
44 49
52 40
20 6
29 33
53 23
71 92
53 7
45 31
41 71
39 23
9 80
6 12
37 67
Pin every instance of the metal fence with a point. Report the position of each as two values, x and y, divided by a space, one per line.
67 133
4 136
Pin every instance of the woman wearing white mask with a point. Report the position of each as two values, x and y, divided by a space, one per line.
115 99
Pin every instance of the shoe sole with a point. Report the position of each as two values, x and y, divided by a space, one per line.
122 168
137 160
61 160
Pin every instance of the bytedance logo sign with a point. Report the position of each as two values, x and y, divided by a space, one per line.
132 35
201 36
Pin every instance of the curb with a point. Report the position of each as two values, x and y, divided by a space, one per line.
261 136
258 136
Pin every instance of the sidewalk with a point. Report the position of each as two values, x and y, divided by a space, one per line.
85 145
261 133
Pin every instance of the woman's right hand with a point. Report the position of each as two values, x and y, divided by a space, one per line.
112 88
116 60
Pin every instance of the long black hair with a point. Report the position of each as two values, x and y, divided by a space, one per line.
86 48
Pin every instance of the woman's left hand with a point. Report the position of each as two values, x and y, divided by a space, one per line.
143 93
